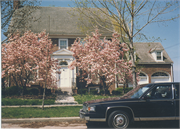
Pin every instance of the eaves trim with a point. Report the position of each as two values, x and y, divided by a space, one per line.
155 63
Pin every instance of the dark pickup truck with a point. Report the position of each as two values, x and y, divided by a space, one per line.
158 101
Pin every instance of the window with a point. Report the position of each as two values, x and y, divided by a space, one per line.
160 92
159 74
63 63
176 91
142 75
63 43
140 92
159 56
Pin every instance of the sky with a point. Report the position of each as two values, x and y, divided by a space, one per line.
168 32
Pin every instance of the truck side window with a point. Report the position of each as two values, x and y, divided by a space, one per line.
160 92
176 91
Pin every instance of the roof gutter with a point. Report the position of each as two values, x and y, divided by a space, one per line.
155 62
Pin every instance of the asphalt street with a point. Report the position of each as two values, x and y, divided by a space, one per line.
78 124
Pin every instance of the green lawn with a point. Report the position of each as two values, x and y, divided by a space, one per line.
81 99
33 112
68 111
12 101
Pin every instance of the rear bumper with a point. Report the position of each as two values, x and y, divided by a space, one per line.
85 116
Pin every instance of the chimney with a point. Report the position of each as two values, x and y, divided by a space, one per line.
16 4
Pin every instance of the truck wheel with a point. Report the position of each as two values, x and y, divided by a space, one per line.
118 119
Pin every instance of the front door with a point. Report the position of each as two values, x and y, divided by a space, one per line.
158 103
64 78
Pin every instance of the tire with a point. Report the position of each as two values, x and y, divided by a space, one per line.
118 119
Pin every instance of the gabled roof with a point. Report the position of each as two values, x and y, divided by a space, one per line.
144 50
57 21
62 52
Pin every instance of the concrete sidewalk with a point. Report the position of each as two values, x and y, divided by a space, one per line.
60 119
55 105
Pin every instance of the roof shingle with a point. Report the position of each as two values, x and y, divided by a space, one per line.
143 51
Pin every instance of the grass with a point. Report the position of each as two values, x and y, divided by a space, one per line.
81 99
34 112
13 101
68 111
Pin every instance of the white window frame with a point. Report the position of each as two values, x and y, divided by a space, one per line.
161 56
66 43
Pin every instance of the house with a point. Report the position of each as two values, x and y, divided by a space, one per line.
154 62
62 25
63 29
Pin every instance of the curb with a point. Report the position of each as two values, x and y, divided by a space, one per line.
60 119
40 106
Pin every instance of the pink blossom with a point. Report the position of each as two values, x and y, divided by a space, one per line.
101 57
25 55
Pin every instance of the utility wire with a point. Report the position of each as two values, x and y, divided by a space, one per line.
175 57
172 46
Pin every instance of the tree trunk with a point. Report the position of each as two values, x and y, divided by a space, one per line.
43 97
104 85
46 79
131 46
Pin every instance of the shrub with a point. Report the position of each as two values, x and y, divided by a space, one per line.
33 91
127 89
93 92
106 92
84 91
120 90
48 92
117 92
4 91
9 91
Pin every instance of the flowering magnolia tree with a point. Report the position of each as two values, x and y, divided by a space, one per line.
26 59
102 59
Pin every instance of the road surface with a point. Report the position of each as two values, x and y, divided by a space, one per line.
84 125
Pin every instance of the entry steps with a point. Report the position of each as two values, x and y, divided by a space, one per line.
65 100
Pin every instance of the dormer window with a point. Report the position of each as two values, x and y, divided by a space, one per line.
159 56
157 53
63 43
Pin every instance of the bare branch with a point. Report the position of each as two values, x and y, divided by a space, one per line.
150 21
151 10
140 7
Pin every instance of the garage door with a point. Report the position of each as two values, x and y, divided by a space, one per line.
143 79
159 77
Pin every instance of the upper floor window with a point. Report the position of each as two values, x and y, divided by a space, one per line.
159 56
63 43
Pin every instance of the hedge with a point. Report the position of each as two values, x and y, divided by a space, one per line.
13 90
120 90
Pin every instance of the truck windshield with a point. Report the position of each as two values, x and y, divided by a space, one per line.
140 92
